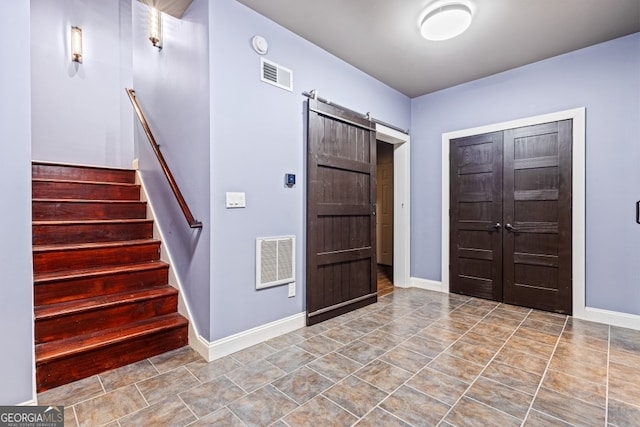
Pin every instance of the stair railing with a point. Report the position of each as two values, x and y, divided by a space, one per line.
193 223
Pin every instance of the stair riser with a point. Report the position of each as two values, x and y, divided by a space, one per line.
71 325
73 289
59 260
82 173
67 211
47 234
65 370
76 190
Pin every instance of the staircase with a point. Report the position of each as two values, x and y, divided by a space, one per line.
101 293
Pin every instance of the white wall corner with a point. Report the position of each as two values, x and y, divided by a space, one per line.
165 255
228 345
430 285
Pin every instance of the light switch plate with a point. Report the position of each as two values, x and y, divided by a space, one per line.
236 200
292 289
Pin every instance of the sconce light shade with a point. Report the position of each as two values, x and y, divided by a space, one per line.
445 20
155 28
76 44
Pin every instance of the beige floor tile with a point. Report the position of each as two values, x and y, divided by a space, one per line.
536 335
207 371
406 359
443 336
531 347
492 329
253 353
355 395
302 385
473 353
319 345
455 367
211 396
596 374
521 360
290 358
539 419
382 375
501 397
438 385
109 407
470 413
320 411
381 339
414 407
127 374
172 359
72 393
164 385
262 407
623 415
575 387
518 379
223 417
253 376
335 366
170 411
424 346
379 417
343 334
361 352
571 410
627 391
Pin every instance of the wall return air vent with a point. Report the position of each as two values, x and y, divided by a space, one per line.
275 261
275 74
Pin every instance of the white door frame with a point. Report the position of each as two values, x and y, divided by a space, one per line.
401 210
578 196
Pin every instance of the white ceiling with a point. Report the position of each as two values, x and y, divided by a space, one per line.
381 37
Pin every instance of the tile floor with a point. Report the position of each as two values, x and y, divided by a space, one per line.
416 358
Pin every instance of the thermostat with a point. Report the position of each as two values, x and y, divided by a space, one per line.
289 180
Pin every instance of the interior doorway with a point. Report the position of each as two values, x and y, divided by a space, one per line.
384 217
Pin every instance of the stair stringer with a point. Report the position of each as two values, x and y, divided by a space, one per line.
196 342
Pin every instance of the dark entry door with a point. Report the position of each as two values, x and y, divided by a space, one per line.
537 216
476 216
510 220
341 226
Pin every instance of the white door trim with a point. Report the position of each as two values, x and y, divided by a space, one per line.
401 209
578 197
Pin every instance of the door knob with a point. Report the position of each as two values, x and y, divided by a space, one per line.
509 227
496 226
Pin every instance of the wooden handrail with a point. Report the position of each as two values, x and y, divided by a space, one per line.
165 168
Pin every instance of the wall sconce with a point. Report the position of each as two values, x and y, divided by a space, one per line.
155 28
76 44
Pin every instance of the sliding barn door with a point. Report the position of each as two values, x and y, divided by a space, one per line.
341 226
537 216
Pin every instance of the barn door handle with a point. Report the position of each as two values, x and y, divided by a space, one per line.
496 226
509 227
638 211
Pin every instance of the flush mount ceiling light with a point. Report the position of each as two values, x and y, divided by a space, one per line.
445 19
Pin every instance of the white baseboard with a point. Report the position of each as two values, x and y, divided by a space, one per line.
431 285
32 402
225 346
613 318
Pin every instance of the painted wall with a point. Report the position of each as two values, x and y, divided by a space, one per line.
172 87
16 289
258 135
80 112
606 80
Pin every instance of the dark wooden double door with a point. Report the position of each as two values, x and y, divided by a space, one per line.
341 224
510 216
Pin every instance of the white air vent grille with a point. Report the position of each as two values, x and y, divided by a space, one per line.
275 261
275 74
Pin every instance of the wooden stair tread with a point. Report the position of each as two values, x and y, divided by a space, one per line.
73 246
107 201
97 271
50 351
75 181
102 301
92 221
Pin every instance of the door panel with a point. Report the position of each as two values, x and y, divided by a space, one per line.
537 205
476 207
341 192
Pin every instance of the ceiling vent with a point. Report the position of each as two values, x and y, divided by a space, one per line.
275 74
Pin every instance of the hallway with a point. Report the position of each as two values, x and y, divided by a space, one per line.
416 358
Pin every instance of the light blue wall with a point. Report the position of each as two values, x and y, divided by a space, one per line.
606 80
173 89
16 288
258 135
80 112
